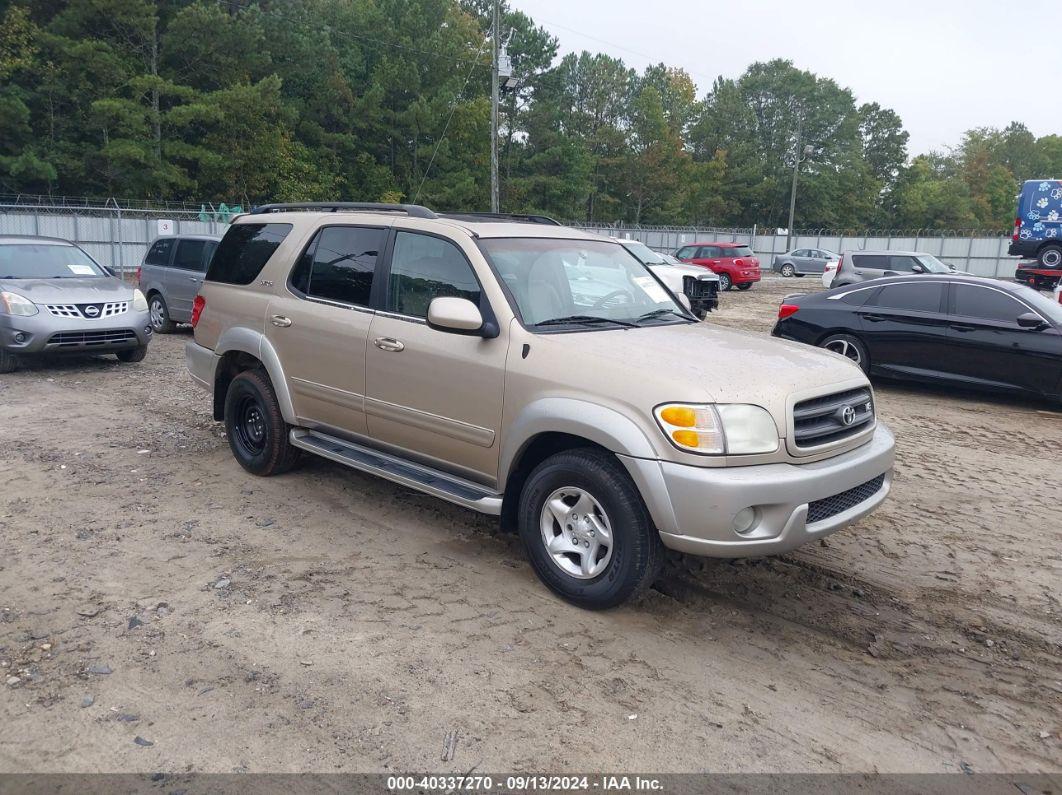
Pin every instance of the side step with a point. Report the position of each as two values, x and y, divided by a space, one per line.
422 478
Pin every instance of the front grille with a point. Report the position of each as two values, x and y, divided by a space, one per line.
699 289
88 339
823 509
831 418
89 311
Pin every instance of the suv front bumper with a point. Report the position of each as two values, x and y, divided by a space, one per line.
694 508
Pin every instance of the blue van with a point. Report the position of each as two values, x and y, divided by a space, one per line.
1038 223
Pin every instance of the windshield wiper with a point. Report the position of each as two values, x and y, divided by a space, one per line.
660 313
584 320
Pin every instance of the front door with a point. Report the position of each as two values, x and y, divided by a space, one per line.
990 349
319 325
433 394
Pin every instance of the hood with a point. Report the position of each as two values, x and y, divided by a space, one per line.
702 363
685 270
88 290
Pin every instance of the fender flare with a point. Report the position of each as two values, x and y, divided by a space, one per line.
256 344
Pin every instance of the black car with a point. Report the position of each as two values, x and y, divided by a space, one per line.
959 330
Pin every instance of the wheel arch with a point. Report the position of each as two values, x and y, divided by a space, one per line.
243 349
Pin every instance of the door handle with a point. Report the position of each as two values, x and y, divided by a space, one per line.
961 327
193 279
280 321
873 318
388 344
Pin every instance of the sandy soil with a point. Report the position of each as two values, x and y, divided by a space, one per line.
162 610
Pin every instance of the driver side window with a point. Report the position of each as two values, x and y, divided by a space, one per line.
423 268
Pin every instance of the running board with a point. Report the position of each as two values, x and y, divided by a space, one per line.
398 470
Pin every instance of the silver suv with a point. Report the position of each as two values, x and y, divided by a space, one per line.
54 298
171 276
534 372
859 266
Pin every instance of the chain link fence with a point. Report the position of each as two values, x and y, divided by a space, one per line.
117 233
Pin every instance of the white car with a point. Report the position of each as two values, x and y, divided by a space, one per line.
698 284
829 272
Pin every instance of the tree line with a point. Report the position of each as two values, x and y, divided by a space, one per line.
248 101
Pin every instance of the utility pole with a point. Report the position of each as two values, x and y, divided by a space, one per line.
495 201
801 154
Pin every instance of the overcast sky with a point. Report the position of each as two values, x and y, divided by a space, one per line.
945 67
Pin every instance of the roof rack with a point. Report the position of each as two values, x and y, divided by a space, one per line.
517 217
412 210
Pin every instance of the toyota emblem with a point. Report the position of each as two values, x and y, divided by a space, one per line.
848 415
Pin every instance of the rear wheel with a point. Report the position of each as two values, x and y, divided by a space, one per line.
1050 256
160 315
744 286
258 436
788 270
8 363
586 530
724 282
849 347
132 355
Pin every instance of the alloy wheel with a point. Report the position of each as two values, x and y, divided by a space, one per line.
576 532
846 349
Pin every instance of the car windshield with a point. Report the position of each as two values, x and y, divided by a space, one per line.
737 251
571 285
932 264
46 261
644 254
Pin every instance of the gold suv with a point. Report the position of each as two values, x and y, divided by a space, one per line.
535 372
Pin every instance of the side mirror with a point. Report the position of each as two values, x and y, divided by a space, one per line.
918 268
685 301
1031 320
455 315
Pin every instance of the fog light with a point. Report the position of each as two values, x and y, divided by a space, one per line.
745 521
147 330
20 337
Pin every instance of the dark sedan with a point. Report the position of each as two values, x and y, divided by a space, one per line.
959 330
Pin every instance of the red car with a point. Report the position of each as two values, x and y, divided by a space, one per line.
735 263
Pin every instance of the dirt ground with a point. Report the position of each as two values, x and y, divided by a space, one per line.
160 609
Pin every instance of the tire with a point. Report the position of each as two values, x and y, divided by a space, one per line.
258 436
850 347
8 362
596 482
700 312
788 270
160 315
745 286
1050 256
724 282
132 355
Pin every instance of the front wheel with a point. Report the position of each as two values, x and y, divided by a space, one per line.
8 363
849 347
586 530
788 270
160 315
1050 256
724 282
132 355
258 436
745 286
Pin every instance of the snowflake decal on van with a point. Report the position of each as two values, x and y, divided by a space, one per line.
1042 203
1045 186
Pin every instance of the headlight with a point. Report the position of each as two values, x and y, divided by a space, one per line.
15 304
733 429
139 302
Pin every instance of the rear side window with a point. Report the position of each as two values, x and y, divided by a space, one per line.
159 253
423 268
686 252
191 255
870 261
912 297
244 251
981 302
707 252
340 263
902 263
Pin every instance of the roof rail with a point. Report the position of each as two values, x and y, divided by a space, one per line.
517 217
412 210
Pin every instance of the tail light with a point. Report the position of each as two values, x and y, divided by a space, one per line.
138 275
1017 230
831 266
197 309
787 310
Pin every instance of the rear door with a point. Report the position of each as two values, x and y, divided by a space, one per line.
817 261
870 266
905 329
802 260
990 349
185 276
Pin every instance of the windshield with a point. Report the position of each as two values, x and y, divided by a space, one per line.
644 254
933 265
45 261
578 284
